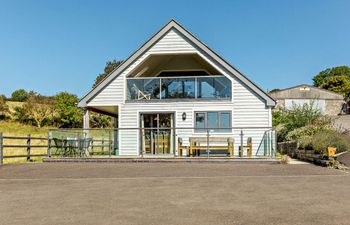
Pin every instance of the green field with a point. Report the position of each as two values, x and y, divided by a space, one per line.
15 129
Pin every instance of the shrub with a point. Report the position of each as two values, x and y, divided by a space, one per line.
287 120
4 109
324 139
320 124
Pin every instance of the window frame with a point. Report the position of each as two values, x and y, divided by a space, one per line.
216 130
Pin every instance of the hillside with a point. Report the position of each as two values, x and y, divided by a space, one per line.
17 129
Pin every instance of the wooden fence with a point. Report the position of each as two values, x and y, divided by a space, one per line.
97 146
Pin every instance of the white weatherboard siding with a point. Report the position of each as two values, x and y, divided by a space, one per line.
248 110
114 93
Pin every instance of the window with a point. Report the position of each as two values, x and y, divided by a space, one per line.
217 121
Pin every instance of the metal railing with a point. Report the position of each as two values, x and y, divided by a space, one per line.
165 140
143 142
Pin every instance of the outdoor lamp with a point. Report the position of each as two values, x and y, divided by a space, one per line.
184 116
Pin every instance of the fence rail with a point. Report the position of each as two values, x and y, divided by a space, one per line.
29 147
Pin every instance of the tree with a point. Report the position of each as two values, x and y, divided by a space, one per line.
339 84
101 121
110 66
335 79
274 90
39 109
68 114
4 109
19 95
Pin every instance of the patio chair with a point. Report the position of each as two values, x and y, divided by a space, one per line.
140 94
84 146
61 146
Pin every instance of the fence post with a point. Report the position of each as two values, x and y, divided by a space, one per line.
28 147
49 139
1 149
208 151
241 150
103 145
92 146
110 144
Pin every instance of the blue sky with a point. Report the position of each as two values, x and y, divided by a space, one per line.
51 46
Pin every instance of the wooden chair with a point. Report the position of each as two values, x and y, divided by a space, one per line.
249 148
141 94
180 147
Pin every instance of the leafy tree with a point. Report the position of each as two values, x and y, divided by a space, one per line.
110 66
40 109
68 114
4 109
274 90
19 95
336 79
339 84
101 121
20 115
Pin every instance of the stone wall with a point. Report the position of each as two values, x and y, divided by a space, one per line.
333 107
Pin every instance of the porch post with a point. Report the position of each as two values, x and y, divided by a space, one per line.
86 119
115 141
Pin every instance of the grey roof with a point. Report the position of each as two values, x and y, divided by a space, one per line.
172 24
314 93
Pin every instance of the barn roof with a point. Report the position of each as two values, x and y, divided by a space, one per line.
305 91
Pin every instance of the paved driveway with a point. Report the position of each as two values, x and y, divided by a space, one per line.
175 193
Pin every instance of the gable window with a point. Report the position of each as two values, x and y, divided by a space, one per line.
213 120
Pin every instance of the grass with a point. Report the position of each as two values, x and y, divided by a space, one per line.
19 130
14 129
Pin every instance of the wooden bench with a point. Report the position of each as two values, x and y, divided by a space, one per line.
200 143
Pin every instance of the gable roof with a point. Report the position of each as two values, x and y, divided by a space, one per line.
172 24
315 92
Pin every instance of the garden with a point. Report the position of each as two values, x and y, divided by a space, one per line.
303 132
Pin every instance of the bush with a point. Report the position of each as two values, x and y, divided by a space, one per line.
324 139
320 124
4 109
287 120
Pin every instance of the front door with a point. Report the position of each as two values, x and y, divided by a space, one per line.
157 137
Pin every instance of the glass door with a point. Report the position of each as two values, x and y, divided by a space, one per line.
157 137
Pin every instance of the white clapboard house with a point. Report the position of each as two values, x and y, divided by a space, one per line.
177 86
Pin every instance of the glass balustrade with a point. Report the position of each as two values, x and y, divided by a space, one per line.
199 87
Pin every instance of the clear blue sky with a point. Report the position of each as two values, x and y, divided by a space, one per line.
51 46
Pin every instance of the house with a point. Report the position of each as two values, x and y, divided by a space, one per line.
329 102
173 88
